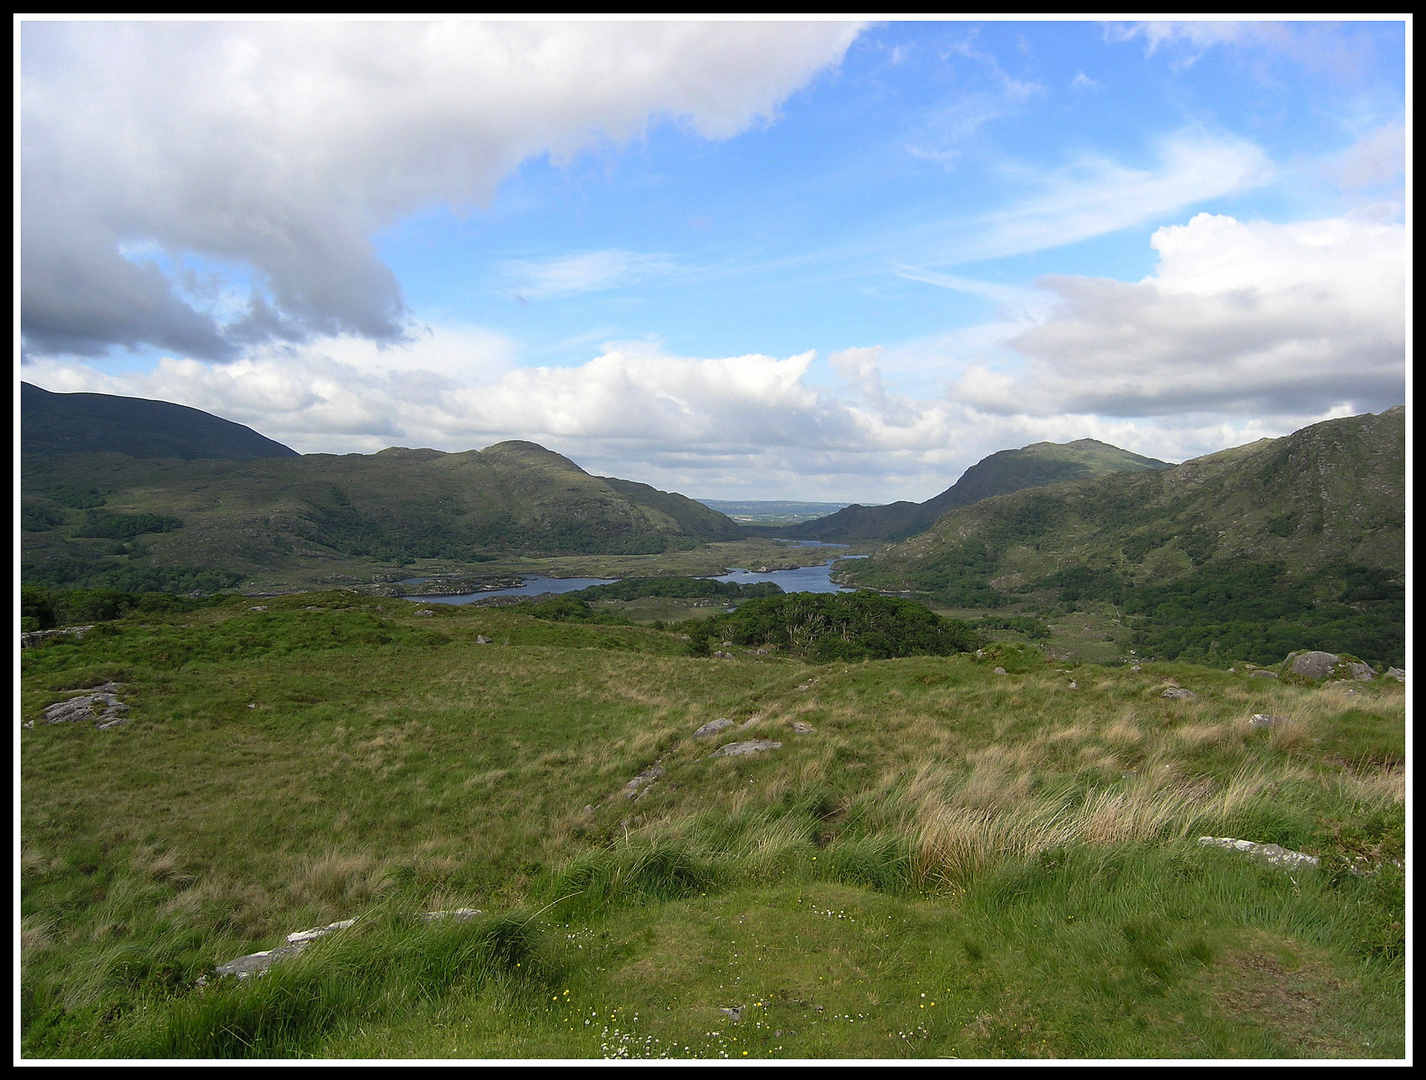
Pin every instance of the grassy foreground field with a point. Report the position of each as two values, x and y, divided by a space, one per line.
939 861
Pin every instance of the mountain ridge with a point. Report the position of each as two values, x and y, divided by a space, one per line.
1001 473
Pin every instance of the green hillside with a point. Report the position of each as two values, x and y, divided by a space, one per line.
103 423
131 523
999 474
645 853
1286 543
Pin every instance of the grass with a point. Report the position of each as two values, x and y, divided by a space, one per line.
1021 851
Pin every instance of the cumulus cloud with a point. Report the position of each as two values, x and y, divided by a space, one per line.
1239 317
750 426
281 147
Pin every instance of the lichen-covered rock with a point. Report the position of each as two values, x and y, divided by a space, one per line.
99 704
1399 674
1361 672
641 783
1262 673
1312 664
1265 720
1178 693
708 730
1280 857
801 727
754 746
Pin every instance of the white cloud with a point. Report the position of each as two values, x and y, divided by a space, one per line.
1095 196
1240 317
538 279
282 146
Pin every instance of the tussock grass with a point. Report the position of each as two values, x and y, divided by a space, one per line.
988 837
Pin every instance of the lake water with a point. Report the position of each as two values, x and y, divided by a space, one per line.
803 579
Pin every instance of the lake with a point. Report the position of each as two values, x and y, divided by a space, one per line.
802 579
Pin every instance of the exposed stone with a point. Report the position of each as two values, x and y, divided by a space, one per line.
801 727
749 722
708 730
30 638
1178 693
258 607
1314 665
754 746
245 967
481 639
99 704
1399 674
735 1013
301 937
1262 674
464 914
1262 720
1280 857
422 611
1000 671
1361 672
641 783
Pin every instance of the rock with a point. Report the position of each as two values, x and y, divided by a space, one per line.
100 704
1178 693
458 914
258 607
749 722
708 730
1361 672
801 727
641 783
245 967
481 639
301 937
1136 667
1280 857
1000 671
1262 674
1314 665
735 1013
1262 720
1074 685
1399 674
738 749
30 638
422 611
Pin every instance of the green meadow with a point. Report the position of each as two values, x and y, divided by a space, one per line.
939 861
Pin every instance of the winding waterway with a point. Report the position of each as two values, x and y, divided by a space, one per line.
815 579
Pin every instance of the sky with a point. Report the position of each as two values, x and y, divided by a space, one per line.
814 260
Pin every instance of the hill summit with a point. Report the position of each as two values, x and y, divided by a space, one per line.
1001 473
54 424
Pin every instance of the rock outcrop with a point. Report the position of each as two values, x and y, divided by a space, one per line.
754 746
1324 665
99 704
1271 854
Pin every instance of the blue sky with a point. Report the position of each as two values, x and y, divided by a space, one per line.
808 260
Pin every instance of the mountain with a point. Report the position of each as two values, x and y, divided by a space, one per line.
1299 539
54 424
178 525
999 474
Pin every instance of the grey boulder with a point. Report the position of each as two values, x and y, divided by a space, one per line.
754 746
